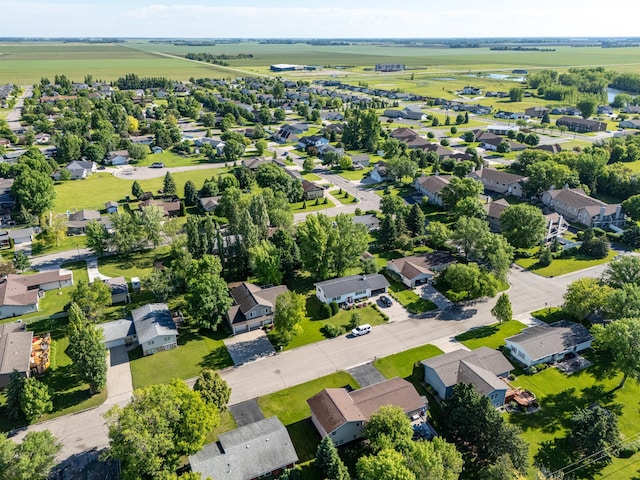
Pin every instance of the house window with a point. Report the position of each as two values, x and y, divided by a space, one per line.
333 434
335 299
521 354
361 292
265 311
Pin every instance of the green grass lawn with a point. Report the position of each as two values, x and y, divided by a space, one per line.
550 314
562 266
409 299
312 177
43 246
343 197
401 364
491 336
313 322
171 159
354 174
290 406
196 351
227 423
310 206
136 264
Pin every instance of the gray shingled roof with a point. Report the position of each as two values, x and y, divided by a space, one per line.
246 452
15 347
543 340
353 283
153 320
117 329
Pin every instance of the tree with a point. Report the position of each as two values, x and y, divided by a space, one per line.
21 261
92 298
386 465
401 167
459 188
632 207
502 309
138 152
97 237
14 394
87 350
594 430
151 218
469 137
128 233
621 341
622 271
233 150
345 162
468 235
388 427
329 462
34 191
595 247
35 400
169 186
479 432
136 190
503 147
584 297
190 194
469 207
32 459
544 175
416 220
462 169
587 106
264 260
350 241
308 164
68 148
159 283
290 310
523 225
469 281
391 148
207 293
213 389
438 233
161 424
516 94
434 460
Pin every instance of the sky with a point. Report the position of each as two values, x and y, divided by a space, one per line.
318 18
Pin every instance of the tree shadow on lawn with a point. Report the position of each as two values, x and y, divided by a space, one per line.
559 453
64 385
476 333
217 359
57 327
305 439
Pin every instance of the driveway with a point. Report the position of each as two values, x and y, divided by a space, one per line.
428 292
248 347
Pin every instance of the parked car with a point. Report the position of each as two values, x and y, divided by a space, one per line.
157 165
361 330
386 301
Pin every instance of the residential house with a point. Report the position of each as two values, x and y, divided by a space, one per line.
389 67
347 290
403 134
369 220
484 368
494 211
360 160
169 208
632 109
289 133
312 190
379 172
77 221
413 112
79 169
117 157
5 241
155 328
20 294
581 125
493 143
311 141
218 145
156 150
341 414
15 351
501 129
324 149
22 235
332 116
546 343
253 163
142 140
552 149
536 112
556 226
576 206
499 181
482 136
118 333
119 290
468 90
262 449
604 110
253 306
209 204
7 202
419 269
629 124
431 186
392 113
42 138
111 207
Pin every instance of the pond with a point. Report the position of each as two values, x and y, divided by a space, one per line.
612 92
499 76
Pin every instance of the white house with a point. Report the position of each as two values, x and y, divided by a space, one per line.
78 169
155 328
379 172
119 290
351 288
117 157
547 343
111 207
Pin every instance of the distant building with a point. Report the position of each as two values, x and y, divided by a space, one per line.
389 67
581 125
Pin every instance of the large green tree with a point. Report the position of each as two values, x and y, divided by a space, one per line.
92 298
584 297
34 191
151 218
290 310
502 309
97 237
207 294
329 462
434 460
459 188
264 259
623 270
213 389
469 235
621 341
161 424
32 459
594 430
386 465
523 225
35 399
169 186
388 428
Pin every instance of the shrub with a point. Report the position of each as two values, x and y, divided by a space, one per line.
355 319
545 257
532 370
625 451
326 311
332 331
335 308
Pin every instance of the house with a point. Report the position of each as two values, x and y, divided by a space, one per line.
431 186
468 90
413 112
119 290
494 211
20 294
77 221
253 163
389 67
546 343
501 129
262 449
156 150
576 206
118 333
391 113
341 414
369 220
484 368
499 181
419 269
155 328
117 157
633 109
5 241
289 133
7 202
536 112
78 169
218 145
253 306
360 159
42 138
312 190
15 351
170 208
142 140
581 125
403 134
111 207
552 149
22 235
379 172
493 143
629 124
209 204
352 288
311 141
604 110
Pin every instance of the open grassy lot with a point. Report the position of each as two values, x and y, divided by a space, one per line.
354 174
196 351
171 159
550 314
290 406
491 336
561 266
43 246
312 177
401 364
136 264
99 188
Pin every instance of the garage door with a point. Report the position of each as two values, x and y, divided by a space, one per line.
114 343
239 329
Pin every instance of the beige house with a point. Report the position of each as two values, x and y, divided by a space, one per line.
494 211
253 307
576 206
499 181
20 294
430 187
419 269
341 414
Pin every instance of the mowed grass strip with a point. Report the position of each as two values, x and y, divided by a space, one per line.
562 266
491 336
401 364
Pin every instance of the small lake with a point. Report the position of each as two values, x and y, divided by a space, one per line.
499 76
612 92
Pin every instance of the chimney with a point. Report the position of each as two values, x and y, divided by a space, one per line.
602 209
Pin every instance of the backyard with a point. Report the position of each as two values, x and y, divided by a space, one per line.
136 264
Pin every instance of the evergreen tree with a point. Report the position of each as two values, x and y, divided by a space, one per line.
14 394
169 186
136 190
190 193
416 220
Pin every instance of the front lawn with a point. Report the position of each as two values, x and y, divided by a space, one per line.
290 406
312 177
136 264
562 266
353 175
345 198
550 314
409 299
196 351
310 205
401 364
491 336
43 246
